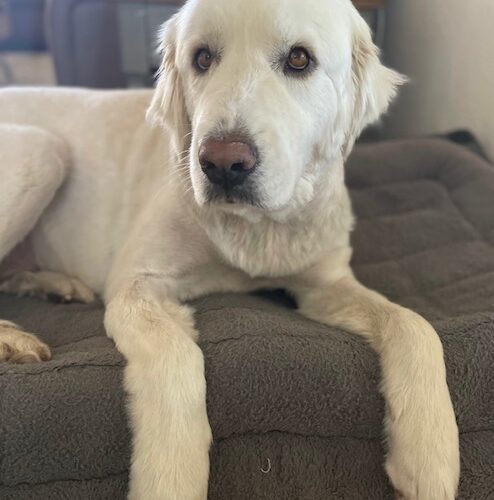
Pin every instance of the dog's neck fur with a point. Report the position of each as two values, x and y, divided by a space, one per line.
267 245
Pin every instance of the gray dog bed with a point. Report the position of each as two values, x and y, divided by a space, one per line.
294 406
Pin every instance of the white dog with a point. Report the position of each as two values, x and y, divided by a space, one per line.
242 188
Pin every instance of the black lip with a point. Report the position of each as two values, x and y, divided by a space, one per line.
245 195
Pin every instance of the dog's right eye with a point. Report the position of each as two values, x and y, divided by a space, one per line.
299 62
298 59
203 59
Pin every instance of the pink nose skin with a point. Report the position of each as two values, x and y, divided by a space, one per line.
226 162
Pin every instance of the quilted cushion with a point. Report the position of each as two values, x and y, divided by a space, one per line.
294 405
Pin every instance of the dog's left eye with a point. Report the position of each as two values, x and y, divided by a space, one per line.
298 60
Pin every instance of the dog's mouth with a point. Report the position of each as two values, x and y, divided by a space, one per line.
232 195
249 211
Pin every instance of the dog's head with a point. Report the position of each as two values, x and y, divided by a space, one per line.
266 95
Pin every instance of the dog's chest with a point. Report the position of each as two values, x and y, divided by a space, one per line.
272 249
267 250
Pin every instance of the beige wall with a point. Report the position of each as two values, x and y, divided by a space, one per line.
446 47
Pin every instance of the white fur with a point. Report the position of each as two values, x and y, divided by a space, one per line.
132 222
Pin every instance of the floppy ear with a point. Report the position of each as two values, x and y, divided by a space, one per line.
374 85
167 106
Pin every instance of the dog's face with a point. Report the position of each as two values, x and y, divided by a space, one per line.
265 95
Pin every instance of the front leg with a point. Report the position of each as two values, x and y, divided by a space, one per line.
422 435
165 382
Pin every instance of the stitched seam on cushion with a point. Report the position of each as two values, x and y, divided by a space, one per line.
468 317
326 436
462 214
475 322
95 336
243 308
297 434
467 329
369 187
414 211
314 335
399 215
67 480
412 254
432 290
54 369
410 279
419 252
279 335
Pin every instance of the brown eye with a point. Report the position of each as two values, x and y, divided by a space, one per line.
298 59
203 59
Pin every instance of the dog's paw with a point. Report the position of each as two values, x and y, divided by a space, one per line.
17 346
424 461
45 284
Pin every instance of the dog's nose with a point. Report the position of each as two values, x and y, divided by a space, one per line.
227 162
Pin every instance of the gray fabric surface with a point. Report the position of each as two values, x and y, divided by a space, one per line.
281 387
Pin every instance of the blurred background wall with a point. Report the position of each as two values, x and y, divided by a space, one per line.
446 47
